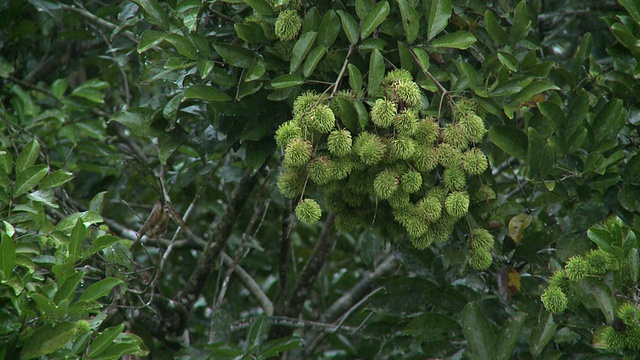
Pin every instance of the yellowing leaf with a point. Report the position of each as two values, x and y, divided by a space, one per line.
517 225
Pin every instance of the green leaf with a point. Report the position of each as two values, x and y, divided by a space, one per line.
542 333
422 58
183 45
100 289
45 197
55 179
100 344
603 296
540 154
521 23
439 15
349 25
410 20
535 88
154 13
376 16
27 156
7 256
347 114
355 78
29 179
47 339
363 114
206 93
88 218
6 162
509 61
284 81
257 331
633 8
138 120
97 202
257 69
313 59
78 234
260 6
362 8
609 120
457 40
510 140
430 326
477 330
602 238
376 71
149 39
300 50
104 241
497 33
235 55
506 340
329 30
67 289
275 347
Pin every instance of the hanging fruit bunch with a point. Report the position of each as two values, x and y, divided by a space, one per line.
399 173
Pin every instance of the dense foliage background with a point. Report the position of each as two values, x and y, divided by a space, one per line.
126 118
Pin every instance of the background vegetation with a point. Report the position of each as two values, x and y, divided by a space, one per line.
128 118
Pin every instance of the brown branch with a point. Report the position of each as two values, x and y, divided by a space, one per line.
217 242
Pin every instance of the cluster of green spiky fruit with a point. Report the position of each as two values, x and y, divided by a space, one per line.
594 263
624 332
398 173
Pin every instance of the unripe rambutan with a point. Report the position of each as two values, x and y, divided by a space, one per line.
554 300
454 136
286 132
399 199
283 49
423 241
484 193
474 162
429 209
406 92
397 74
305 102
600 261
320 171
453 178
415 226
473 128
383 113
406 123
347 222
577 268
308 211
482 239
457 204
341 168
480 259
629 314
427 131
560 280
339 143
297 154
385 184
449 156
290 183
288 25
411 181
402 148
369 148
322 119
425 158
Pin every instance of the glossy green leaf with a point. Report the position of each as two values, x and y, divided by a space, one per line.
138 120
67 289
205 67
410 20
497 33
257 331
301 49
78 235
88 218
260 6
285 81
207 93
376 16
250 32
99 289
6 162
276 347
100 344
355 78
511 140
376 71
44 197
609 120
97 202
508 336
154 12
457 40
626 38
363 114
8 255
347 114
312 60
329 30
257 69
521 23
439 14
508 60
534 88
235 55
422 58
603 296
27 156
104 241
602 238
477 330
55 179
47 339
29 179
349 25
362 8
540 154
149 39
183 45
542 333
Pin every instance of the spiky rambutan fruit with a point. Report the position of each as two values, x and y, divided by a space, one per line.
339 143
308 211
385 184
457 204
286 132
453 178
369 148
482 239
383 113
297 154
474 161
554 300
480 259
288 25
411 181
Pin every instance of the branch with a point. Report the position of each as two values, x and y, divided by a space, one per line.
296 324
99 21
217 242
311 269
283 258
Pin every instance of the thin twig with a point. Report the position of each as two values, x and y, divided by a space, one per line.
294 323
98 21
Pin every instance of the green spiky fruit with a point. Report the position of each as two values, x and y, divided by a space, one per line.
454 136
480 259
322 119
297 154
454 178
397 74
449 156
429 209
577 268
290 183
406 123
406 92
554 300
482 239
427 131
305 102
321 171
474 162
560 280
411 182
383 112
286 132
457 204
484 193
339 143
308 211
385 184
600 262
403 148
473 128
369 148
425 158
288 25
